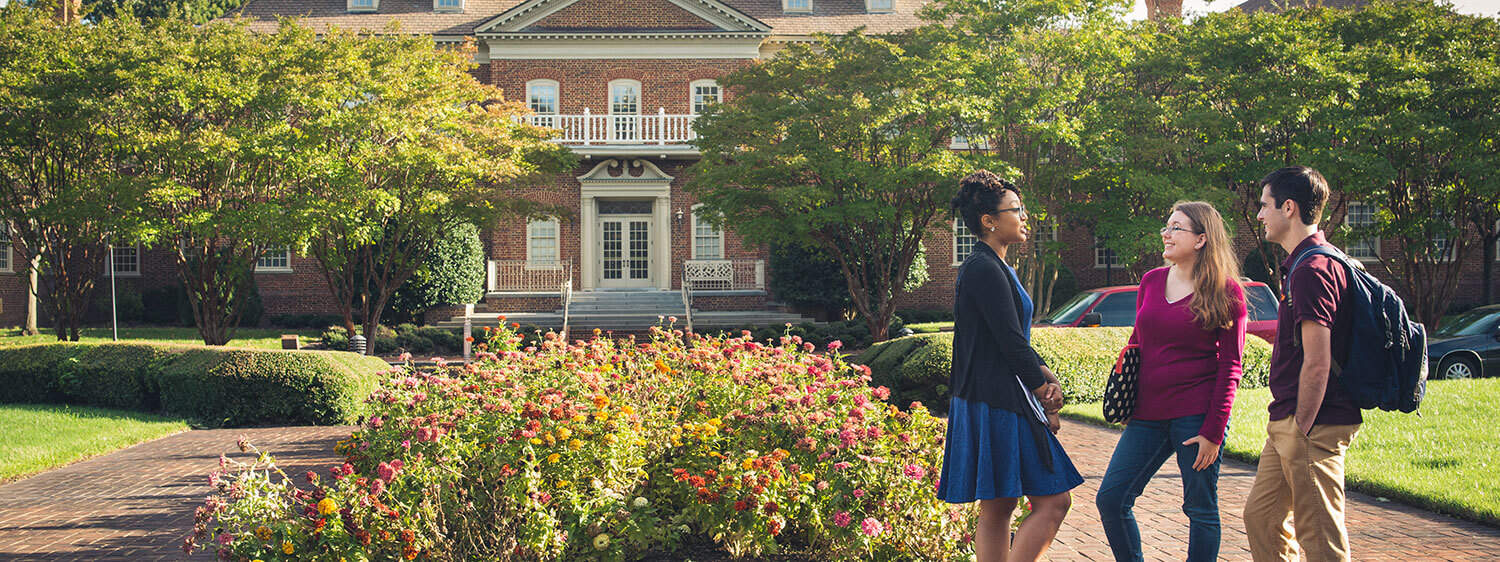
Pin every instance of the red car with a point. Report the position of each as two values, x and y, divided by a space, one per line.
1115 306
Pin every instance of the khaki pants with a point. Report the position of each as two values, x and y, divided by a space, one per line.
1298 496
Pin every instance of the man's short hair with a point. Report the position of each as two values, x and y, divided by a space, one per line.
1302 185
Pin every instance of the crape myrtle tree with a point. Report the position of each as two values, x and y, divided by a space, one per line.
1031 72
417 149
1422 133
193 11
220 141
60 121
841 145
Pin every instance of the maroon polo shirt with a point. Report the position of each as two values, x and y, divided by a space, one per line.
1315 292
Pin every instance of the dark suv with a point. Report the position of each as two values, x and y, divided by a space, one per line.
1115 306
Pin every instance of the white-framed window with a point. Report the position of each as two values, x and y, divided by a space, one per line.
6 256
708 240
126 259
796 6
542 244
1362 215
274 259
963 241
447 5
363 5
542 98
1104 257
962 143
704 92
878 6
1440 245
625 108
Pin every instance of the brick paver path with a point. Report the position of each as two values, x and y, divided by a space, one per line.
137 504
1378 530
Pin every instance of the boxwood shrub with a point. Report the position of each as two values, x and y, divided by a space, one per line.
213 386
917 367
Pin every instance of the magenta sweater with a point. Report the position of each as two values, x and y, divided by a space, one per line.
1185 370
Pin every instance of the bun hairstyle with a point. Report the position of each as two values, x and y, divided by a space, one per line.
979 194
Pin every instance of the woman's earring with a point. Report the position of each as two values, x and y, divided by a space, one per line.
992 229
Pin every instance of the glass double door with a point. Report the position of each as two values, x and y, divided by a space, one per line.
625 252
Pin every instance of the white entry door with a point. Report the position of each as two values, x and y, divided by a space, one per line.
625 252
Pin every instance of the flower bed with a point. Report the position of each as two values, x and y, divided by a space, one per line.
611 450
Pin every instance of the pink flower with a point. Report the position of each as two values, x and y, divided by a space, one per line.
882 392
387 470
842 519
871 526
914 472
822 485
377 486
225 538
833 399
835 345
376 422
841 465
859 492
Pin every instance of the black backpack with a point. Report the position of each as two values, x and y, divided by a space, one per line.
1386 366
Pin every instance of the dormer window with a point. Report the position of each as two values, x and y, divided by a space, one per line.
448 6
364 5
796 6
880 6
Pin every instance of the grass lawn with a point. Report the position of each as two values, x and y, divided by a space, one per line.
1447 460
39 437
930 327
258 338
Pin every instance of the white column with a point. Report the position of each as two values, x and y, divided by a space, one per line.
587 248
663 261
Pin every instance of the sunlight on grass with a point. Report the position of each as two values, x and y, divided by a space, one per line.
256 338
1445 460
40 437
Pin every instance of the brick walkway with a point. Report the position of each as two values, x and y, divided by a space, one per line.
137 504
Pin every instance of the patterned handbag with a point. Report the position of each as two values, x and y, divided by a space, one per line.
1124 383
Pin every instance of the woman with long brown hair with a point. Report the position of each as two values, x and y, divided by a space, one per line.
1190 326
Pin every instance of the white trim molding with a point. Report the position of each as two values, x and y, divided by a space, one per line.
693 96
543 230
620 46
450 6
114 262
528 13
268 261
362 6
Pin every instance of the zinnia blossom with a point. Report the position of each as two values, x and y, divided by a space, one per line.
842 519
871 526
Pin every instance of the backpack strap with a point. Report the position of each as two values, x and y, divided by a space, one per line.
1318 250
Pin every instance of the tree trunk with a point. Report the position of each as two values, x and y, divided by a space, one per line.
31 292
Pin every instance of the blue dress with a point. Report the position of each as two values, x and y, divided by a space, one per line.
991 452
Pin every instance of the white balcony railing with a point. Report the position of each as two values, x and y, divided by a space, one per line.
588 128
521 275
724 275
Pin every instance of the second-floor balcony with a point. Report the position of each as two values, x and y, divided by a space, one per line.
588 129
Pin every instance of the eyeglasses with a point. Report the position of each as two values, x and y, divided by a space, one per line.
1019 209
1173 230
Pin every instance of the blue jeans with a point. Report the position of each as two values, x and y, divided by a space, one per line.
1142 449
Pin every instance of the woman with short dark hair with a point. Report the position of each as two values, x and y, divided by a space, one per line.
1004 398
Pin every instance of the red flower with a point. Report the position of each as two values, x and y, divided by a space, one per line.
741 505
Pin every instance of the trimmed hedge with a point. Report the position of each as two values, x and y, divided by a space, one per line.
213 386
917 367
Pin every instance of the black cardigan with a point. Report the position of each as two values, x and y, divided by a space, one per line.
990 350
989 339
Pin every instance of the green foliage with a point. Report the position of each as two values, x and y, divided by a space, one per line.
217 387
917 366
452 274
194 11
840 145
130 306
167 306
614 450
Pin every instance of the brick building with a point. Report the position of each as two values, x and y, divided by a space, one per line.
622 80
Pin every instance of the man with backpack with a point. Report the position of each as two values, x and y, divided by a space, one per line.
1298 495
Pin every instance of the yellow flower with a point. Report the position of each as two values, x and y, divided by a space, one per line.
746 464
575 445
563 483
564 433
716 422
263 533
600 400
806 477
580 418
327 506
554 457
601 415
609 440
536 441
286 547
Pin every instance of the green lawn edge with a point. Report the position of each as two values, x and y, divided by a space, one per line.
89 432
1092 413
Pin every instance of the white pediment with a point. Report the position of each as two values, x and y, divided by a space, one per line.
516 20
615 171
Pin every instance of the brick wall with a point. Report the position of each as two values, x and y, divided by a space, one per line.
585 83
12 298
589 15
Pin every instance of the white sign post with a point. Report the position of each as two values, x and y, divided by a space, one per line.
468 331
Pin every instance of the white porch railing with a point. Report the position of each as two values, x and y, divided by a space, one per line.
521 275
724 275
588 128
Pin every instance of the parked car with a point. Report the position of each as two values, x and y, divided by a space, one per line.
1115 306
1466 346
